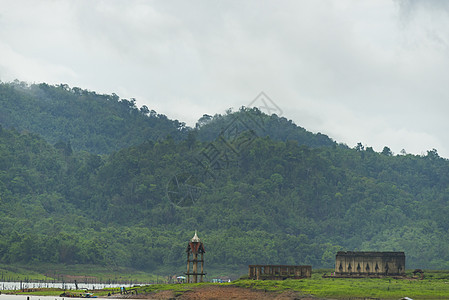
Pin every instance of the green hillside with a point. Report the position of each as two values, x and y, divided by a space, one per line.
92 122
102 124
261 125
257 194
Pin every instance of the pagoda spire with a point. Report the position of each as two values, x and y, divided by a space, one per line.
195 238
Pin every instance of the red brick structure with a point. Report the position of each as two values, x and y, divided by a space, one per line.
372 264
278 272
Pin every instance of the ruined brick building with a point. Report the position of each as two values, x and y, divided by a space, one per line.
278 272
353 264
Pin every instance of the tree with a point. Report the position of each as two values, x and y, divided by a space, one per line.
203 120
432 154
145 110
191 138
387 151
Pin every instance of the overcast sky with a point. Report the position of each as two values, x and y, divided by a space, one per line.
374 72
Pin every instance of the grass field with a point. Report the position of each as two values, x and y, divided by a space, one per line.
435 285
88 273
18 273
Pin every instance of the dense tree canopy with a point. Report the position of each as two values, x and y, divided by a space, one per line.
92 122
269 192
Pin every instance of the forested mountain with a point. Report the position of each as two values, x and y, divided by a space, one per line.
261 125
89 121
257 194
102 124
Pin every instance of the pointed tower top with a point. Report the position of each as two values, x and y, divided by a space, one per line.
195 238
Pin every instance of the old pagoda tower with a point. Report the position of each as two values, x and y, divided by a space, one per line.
195 251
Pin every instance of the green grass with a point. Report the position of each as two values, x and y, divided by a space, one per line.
435 286
60 272
335 288
44 292
175 287
19 273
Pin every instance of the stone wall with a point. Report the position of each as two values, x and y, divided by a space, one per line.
370 263
278 272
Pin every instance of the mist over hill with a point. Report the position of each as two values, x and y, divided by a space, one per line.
102 124
259 189
89 121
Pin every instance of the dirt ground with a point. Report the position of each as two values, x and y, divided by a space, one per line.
227 292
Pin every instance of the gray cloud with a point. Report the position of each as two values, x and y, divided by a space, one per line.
361 71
